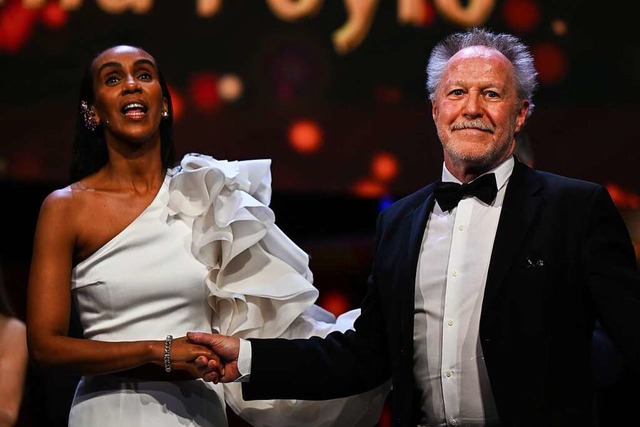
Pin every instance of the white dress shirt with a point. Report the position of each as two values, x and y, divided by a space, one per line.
450 374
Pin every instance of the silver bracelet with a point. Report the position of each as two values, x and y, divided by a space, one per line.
167 353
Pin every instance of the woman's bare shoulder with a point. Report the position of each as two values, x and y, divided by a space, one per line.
67 198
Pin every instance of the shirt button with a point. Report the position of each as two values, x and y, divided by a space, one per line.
461 227
455 273
447 374
454 422
450 323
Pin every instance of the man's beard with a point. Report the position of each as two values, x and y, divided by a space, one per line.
472 160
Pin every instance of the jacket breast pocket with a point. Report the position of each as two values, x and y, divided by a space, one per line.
529 294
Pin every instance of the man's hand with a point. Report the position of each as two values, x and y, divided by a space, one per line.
184 354
227 348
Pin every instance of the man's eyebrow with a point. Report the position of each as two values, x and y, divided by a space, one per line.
119 65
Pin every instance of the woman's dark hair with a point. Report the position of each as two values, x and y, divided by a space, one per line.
89 147
5 305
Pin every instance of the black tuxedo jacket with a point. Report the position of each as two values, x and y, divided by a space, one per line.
562 259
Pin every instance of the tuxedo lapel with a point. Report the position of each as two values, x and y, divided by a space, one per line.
521 204
414 229
419 219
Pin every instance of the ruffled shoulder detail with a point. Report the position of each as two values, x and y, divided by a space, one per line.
259 280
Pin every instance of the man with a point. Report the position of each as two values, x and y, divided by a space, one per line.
482 312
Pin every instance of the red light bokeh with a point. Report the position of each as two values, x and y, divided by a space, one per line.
521 15
335 302
305 136
369 188
177 101
428 13
203 91
550 61
54 16
384 166
622 198
16 26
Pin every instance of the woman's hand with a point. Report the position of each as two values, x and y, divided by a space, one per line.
184 353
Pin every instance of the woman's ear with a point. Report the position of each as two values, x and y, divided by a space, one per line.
94 114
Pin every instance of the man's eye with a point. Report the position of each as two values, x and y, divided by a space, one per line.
145 76
111 80
492 94
457 92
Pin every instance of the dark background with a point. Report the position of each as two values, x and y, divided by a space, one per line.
365 102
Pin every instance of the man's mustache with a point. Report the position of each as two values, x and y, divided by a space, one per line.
472 124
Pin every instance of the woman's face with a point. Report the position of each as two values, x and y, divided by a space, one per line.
128 99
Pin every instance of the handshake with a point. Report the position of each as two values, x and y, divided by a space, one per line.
220 364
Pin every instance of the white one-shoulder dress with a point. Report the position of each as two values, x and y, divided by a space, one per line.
205 255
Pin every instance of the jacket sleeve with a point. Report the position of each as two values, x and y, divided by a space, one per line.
613 275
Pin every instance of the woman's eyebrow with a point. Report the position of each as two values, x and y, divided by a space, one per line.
119 65
109 64
145 61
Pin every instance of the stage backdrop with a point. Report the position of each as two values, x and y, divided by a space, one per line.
332 91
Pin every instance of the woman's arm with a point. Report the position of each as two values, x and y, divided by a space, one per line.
49 306
13 369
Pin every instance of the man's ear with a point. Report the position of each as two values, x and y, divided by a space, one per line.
522 114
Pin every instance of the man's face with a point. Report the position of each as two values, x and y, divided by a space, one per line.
477 111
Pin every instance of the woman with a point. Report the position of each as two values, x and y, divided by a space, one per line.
13 360
147 253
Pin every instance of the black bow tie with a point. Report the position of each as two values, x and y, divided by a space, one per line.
448 194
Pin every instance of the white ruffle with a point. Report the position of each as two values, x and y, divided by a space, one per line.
259 281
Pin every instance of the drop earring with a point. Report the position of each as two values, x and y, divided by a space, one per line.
88 117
